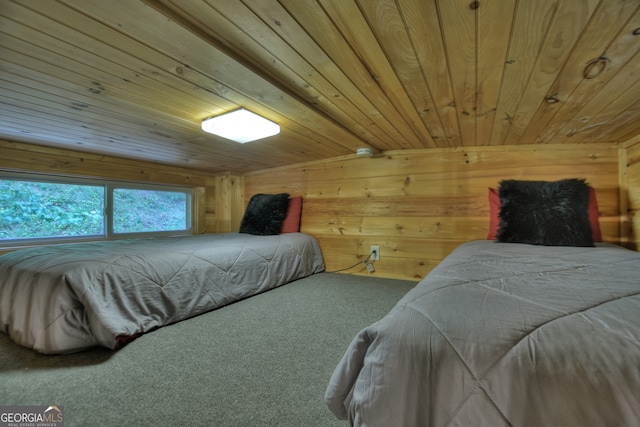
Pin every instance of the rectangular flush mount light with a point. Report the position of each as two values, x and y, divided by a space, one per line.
240 126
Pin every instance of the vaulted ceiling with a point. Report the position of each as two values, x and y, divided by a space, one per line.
135 78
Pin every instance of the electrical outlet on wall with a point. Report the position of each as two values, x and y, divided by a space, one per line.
375 253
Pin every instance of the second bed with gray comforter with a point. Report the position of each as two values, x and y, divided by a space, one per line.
64 298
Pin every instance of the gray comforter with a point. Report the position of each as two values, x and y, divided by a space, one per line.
65 298
503 334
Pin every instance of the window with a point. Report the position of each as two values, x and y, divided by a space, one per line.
42 208
33 209
138 211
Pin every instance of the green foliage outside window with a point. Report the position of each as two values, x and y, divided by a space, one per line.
36 210
137 211
39 210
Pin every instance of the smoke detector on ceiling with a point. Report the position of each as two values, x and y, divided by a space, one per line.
364 152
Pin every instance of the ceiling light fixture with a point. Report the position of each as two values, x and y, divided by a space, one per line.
240 126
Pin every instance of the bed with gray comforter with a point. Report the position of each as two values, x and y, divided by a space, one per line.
65 298
503 334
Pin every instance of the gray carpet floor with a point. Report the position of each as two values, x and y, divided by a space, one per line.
263 361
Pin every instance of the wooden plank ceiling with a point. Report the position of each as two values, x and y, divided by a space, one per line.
134 78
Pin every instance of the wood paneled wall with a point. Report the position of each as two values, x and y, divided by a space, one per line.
418 205
228 203
631 187
21 157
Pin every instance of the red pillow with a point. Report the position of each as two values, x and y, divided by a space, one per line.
494 215
291 223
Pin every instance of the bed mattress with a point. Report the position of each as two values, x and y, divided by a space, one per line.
503 334
64 298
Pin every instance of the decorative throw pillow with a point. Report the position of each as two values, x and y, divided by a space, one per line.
494 215
265 214
291 223
545 213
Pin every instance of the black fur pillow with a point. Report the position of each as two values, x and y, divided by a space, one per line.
545 213
265 214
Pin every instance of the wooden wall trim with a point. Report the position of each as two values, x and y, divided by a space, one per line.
483 149
625 226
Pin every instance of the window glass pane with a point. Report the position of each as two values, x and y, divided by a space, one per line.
136 211
31 209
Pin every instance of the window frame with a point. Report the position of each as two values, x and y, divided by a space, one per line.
109 186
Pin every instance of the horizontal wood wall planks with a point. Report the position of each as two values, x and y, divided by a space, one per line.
631 190
418 205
